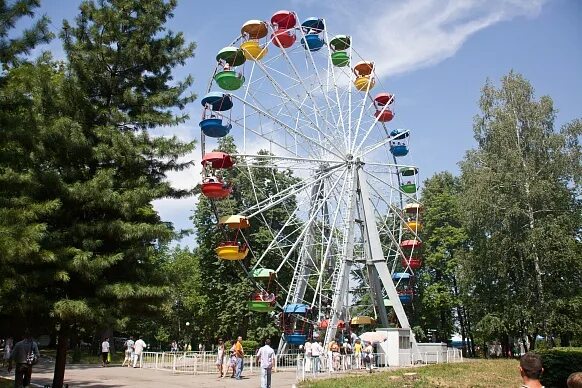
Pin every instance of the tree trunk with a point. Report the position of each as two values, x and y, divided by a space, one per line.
470 334
532 341
531 217
461 318
61 360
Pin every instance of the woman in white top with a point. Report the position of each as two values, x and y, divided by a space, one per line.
220 358
8 344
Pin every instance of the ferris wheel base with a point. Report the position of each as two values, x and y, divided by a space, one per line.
399 348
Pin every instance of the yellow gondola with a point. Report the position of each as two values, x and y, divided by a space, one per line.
364 82
253 50
414 226
363 320
235 221
231 250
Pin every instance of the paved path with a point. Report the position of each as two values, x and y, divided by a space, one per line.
93 376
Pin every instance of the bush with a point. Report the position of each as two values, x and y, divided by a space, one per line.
250 347
558 364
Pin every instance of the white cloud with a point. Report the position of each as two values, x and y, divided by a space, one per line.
401 36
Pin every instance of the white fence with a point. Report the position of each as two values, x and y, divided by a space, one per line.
305 367
205 362
310 367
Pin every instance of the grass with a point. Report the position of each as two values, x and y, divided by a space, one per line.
473 373
5 383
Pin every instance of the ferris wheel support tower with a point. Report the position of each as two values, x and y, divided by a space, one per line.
374 257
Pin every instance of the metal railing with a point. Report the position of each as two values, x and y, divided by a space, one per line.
327 364
305 367
205 362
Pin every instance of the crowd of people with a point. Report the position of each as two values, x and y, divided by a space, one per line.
338 355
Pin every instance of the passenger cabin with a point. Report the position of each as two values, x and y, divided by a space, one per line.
295 323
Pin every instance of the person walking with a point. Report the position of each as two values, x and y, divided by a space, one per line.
232 360
128 352
358 353
316 354
346 351
138 347
239 353
8 344
368 354
104 352
266 356
308 361
24 354
220 358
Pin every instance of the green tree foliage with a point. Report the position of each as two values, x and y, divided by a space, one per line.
95 168
522 210
13 47
226 284
21 224
444 242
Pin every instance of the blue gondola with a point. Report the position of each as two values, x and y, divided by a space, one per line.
312 42
214 127
217 101
296 328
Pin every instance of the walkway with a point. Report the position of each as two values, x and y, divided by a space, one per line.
93 376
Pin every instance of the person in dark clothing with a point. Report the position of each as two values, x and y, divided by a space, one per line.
22 357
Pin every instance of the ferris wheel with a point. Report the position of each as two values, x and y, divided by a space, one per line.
347 231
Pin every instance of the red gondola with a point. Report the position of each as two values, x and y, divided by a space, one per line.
384 115
214 188
217 160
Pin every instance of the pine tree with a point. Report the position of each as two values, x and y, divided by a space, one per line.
97 163
21 224
13 48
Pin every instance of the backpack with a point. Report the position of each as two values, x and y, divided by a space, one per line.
31 358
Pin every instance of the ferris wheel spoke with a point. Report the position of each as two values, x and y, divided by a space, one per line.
326 255
362 108
369 130
391 186
284 93
311 219
318 76
331 70
262 132
301 104
292 190
288 128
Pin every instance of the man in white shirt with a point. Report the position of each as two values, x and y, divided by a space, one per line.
104 352
316 353
138 348
128 352
266 356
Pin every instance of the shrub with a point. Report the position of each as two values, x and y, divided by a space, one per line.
250 346
558 364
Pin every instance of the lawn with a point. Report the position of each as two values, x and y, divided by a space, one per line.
5 383
472 373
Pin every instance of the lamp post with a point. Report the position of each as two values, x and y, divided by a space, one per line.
187 338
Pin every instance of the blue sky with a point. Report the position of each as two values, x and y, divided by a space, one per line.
435 55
